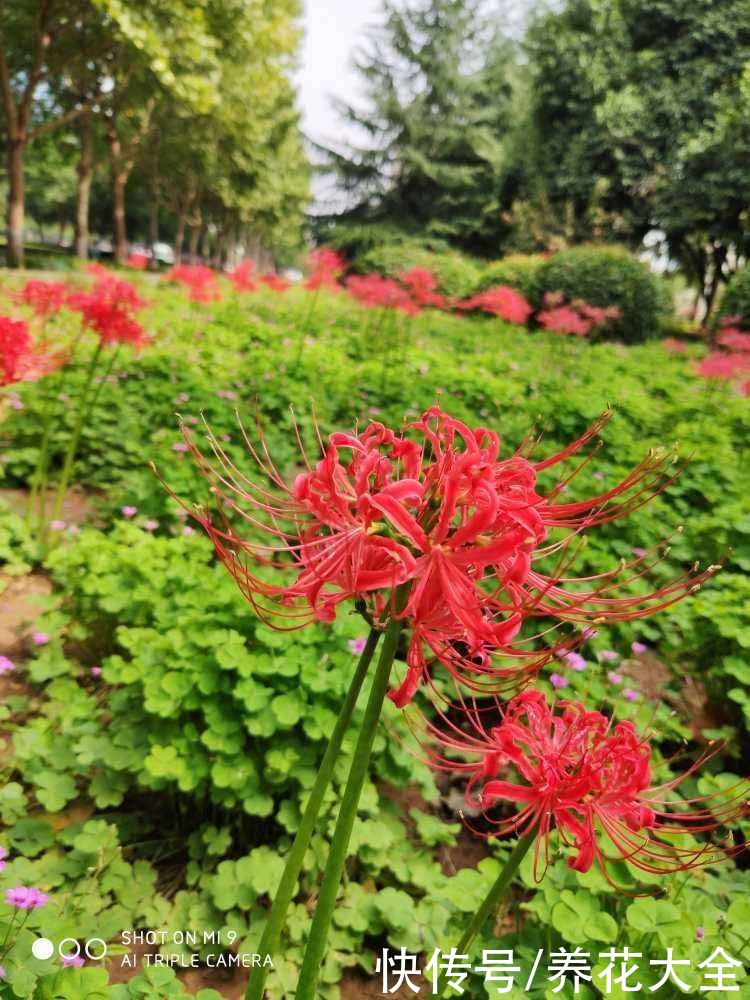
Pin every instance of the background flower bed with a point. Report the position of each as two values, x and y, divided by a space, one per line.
214 723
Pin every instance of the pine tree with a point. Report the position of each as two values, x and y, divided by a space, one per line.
436 82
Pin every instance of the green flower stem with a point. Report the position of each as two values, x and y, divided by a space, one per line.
269 942
316 943
70 454
38 492
493 898
305 328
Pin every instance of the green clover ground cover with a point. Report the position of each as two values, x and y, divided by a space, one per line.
163 740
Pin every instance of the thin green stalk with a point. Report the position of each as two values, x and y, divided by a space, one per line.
269 942
305 329
70 454
496 893
39 480
316 943
102 382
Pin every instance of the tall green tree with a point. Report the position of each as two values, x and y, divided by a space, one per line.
40 41
639 108
437 106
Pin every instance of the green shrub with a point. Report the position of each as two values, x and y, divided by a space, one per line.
736 299
519 270
458 275
608 276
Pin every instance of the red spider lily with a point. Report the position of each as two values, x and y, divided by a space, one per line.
108 309
723 365
275 282
375 292
20 361
578 317
433 507
138 260
15 343
243 277
734 339
327 268
674 346
566 768
502 301
199 280
44 297
564 319
422 286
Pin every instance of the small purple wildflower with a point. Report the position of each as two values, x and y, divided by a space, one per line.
187 531
575 661
589 633
608 655
699 933
614 678
96 671
180 446
357 645
558 681
57 525
39 638
3 856
128 511
6 665
24 898
150 525
629 694
639 648
71 961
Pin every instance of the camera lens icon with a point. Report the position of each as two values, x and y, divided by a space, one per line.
42 949
94 949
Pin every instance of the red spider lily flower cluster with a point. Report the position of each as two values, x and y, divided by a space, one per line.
44 297
732 363
561 767
138 260
108 309
673 345
435 510
502 301
376 292
275 282
243 277
20 359
578 317
327 268
422 286
200 281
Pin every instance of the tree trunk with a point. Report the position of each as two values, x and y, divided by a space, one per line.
16 146
85 176
119 178
195 235
179 236
153 228
119 232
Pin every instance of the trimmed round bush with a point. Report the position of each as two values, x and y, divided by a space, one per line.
519 270
736 299
608 276
457 275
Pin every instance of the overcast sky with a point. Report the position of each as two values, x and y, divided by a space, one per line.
333 29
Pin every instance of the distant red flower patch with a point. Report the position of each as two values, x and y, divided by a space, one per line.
200 281
502 301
